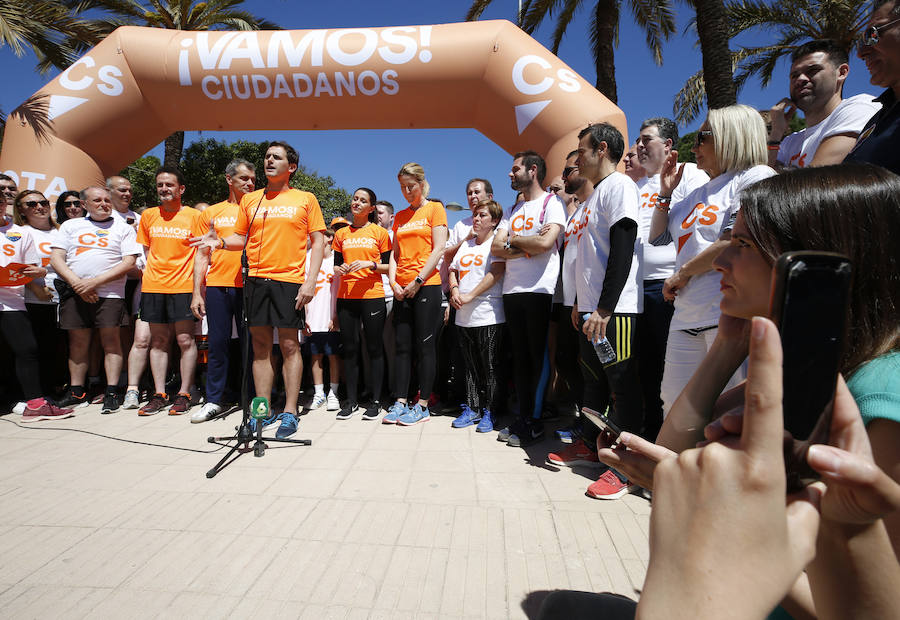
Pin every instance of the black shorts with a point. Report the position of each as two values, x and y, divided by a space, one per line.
272 303
76 313
324 343
166 307
130 288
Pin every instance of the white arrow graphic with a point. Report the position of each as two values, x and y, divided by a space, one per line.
527 112
60 104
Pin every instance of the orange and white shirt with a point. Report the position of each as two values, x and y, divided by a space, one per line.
170 257
365 244
93 248
16 246
281 224
43 240
471 263
535 274
321 307
413 242
224 265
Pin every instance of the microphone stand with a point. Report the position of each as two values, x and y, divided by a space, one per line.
244 435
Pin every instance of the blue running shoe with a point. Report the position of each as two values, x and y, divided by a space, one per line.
394 413
487 423
288 426
415 415
272 420
466 418
567 435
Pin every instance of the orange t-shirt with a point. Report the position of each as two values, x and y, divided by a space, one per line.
170 258
276 248
224 265
366 244
413 242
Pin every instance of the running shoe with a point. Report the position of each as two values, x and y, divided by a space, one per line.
394 413
413 416
317 401
372 411
466 418
205 413
181 405
332 402
531 434
575 454
75 401
610 486
347 412
503 434
156 404
486 425
288 425
272 420
110 403
567 435
131 400
38 409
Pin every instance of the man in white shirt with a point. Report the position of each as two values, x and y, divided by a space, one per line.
816 82
527 238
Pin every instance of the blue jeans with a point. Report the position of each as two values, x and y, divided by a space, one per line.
223 303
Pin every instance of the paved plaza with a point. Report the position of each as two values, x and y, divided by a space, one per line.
371 521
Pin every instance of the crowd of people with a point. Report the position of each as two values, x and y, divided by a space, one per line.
630 294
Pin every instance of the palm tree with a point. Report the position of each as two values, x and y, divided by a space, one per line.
790 23
655 16
174 15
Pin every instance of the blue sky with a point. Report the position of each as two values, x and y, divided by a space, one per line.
451 156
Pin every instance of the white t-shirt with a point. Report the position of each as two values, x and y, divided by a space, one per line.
16 246
321 308
572 235
93 248
135 217
43 240
536 274
697 222
659 260
798 149
614 199
471 263
459 231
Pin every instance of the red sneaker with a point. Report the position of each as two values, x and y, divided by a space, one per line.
610 486
156 404
39 409
575 454
181 405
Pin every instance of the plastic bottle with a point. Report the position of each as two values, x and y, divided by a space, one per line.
602 347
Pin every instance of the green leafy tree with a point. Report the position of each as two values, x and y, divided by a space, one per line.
142 174
654 16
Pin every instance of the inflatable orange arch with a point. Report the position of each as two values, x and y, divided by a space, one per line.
141 84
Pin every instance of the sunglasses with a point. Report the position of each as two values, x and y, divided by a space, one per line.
568 170
871 35
31 204
701 137
72 203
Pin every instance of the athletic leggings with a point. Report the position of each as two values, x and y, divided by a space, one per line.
528 317
16 329
371 314
48 336
417 320
481 351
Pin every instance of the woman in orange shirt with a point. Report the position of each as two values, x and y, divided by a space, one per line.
420 233
361 254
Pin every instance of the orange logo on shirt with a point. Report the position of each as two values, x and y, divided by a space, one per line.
651 203
798 163
9 249
90 239
703 214
324 278
521 224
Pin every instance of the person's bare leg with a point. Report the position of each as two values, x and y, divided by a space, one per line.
263 374
160 333
318 376
79 350
334 369
184 336
111 340
292 367
140 350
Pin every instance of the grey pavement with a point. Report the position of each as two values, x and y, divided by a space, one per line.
370 521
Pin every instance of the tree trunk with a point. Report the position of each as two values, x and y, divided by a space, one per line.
174 146
606 17
717 69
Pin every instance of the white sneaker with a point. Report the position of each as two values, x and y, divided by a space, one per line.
19 408
317 401
205 413
333 403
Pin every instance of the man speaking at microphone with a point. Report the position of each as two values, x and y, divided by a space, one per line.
275 223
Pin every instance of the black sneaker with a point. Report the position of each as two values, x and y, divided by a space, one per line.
73 400
110 403
372 411
530 434
347 412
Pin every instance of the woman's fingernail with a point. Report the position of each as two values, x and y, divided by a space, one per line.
825 460
758 328
624 437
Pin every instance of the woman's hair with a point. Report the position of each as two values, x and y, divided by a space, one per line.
60 208
739 137
416 171
19 217
853 209
493 209
372 200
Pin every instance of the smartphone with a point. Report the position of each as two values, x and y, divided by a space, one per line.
603 422
810 293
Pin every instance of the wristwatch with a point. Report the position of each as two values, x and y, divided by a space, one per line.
419 280
508 245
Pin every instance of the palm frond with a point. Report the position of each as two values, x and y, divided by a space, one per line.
34 112
477 8
657 19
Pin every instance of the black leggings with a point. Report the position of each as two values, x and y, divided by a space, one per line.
16 329
481 350
528 317
48 336
371 314
418 317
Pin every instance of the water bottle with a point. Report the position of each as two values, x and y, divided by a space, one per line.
602 347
